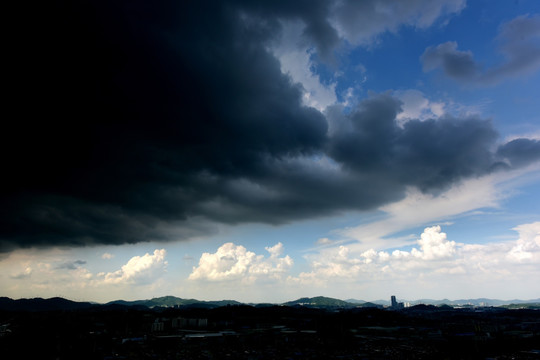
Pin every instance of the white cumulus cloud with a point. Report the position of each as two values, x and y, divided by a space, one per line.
527 247
235 262
435 263
434 245
417 106
139 269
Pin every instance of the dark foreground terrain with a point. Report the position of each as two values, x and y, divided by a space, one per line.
272 332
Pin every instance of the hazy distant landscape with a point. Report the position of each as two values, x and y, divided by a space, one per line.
306 328
37 304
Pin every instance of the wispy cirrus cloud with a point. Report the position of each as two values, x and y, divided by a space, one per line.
416 208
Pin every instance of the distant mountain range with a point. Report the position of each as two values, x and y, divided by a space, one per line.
56 303
53 304
173 301
39 304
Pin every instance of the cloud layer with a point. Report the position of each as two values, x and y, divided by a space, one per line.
153 122
434 258
433 265
48 273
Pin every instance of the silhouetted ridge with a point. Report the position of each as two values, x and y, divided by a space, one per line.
319 301
58 303
40 304
173 301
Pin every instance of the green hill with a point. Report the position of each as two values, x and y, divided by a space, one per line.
319 301
173 301
534 306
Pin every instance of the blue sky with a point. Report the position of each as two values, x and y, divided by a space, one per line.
476 234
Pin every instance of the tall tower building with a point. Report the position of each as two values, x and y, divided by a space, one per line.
396 305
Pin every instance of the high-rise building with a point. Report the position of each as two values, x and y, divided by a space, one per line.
395 304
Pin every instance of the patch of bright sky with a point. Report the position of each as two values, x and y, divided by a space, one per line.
393 63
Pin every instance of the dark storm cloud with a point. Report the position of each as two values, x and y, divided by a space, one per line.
520 152
428 154
518 42
134 122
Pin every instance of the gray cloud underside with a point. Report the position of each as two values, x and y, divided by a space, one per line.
519 43
71 265
139 123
